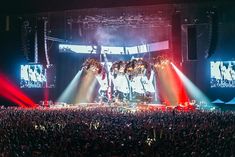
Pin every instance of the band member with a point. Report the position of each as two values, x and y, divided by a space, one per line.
148 83
136 84
120 81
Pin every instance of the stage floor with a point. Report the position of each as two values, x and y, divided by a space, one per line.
133 107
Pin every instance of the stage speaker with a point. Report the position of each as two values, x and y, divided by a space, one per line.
7 28
213 34
192 42
27 40
176 37
41 30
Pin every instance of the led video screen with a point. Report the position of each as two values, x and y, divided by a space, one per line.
89 49
36 76
222 74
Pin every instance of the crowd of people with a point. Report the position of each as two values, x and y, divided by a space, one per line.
110 132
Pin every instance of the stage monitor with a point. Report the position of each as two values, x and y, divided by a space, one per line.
222 74
37 76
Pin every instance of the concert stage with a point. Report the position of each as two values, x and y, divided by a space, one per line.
129 107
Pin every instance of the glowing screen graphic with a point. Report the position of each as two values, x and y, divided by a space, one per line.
36 76
222 74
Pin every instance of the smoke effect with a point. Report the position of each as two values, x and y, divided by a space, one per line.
104 37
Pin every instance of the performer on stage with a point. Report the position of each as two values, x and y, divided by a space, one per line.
120 81
135 70
100 74
148 83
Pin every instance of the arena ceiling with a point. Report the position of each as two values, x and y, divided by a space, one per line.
36 6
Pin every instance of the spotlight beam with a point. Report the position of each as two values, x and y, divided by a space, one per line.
13 99
170 85
192 89
15 94
70 89
86 89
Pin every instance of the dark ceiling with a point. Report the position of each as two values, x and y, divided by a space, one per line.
36 6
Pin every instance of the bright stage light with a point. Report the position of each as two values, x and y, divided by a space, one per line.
11 92
13 99
170 85
193 90
90 90
86 89
68 94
